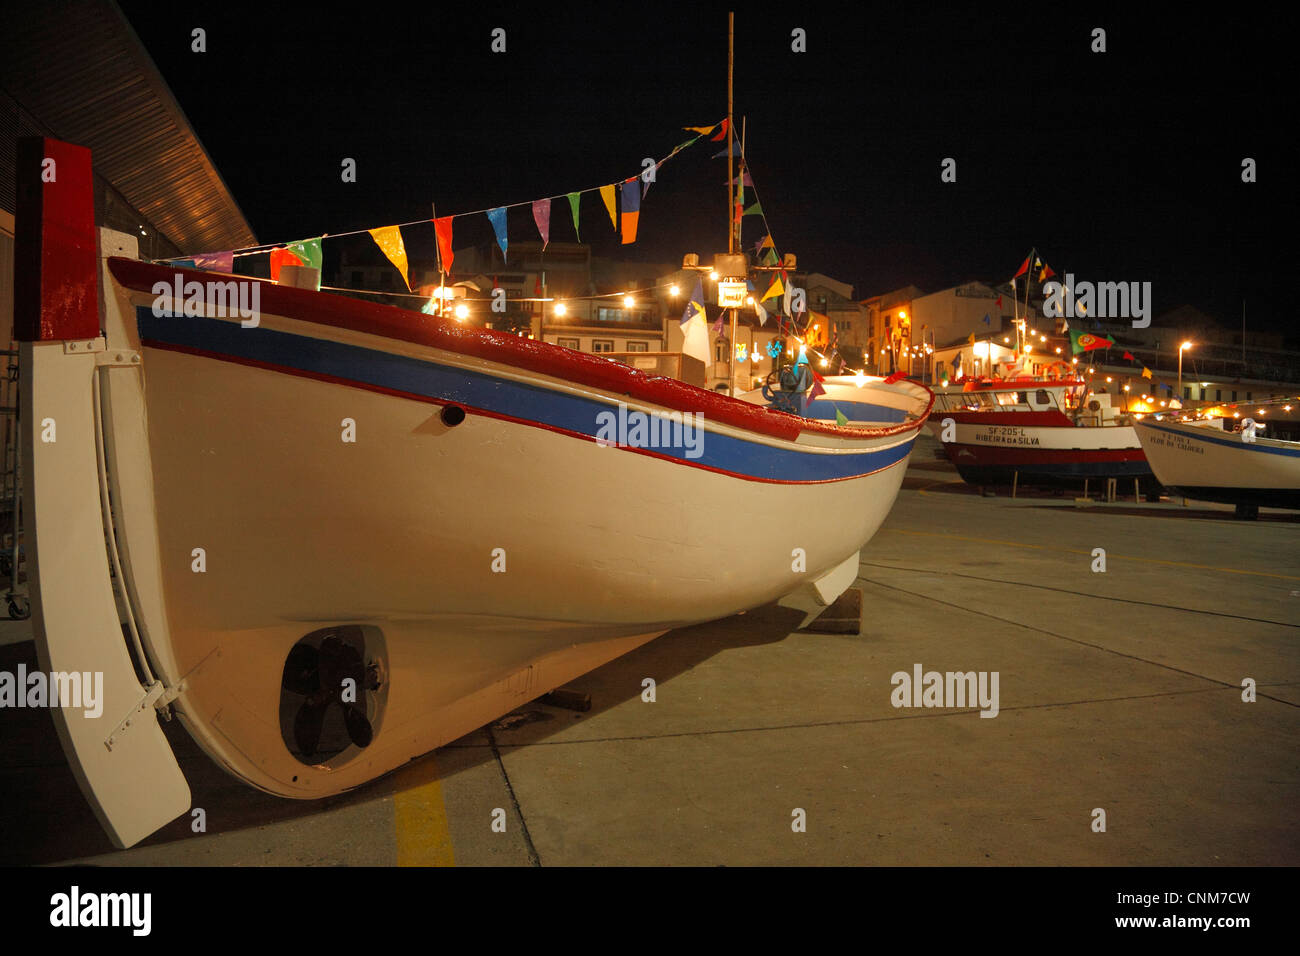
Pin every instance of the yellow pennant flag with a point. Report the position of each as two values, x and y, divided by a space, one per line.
701 129
389 240
971 339
607 194
1146 372
775 289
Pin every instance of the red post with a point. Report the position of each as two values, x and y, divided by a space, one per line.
56 247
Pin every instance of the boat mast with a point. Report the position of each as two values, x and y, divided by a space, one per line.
731 199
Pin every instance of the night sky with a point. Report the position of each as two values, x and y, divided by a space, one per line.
1119 166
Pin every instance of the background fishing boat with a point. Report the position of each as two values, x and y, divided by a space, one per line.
1211 461
1036 430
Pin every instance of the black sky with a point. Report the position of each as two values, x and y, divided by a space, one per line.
1119 166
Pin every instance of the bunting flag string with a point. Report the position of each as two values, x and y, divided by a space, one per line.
224 260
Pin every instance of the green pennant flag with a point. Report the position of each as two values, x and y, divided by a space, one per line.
839 417
574 199
308 251
769 257
755 210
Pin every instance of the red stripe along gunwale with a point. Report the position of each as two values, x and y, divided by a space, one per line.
581 368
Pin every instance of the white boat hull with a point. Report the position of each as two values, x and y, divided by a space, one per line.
1203 461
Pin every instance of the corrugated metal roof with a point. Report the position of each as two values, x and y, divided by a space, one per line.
81 70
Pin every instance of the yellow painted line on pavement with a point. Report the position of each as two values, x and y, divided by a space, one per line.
1109 556
420 817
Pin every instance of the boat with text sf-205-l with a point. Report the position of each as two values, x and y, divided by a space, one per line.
1040 431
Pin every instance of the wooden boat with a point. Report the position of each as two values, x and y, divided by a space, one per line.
341 534
1211 460
1047 431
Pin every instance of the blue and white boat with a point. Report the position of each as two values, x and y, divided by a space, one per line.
342 534
1217 459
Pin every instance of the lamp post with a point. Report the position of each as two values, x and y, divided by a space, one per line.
1181 349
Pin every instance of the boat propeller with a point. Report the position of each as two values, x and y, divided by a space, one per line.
333 674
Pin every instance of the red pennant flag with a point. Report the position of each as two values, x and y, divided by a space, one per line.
537 287
722 131
443 228
999 301
281 258
1024 267
1129 356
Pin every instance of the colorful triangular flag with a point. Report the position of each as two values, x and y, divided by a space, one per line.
574 199
279 259
607 194
389 241
631 209
497 217
309 251
215 261
443 229
542 216
695 304
773 290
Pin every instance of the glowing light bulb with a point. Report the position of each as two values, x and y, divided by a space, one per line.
561 309
628 302
674 291
462 312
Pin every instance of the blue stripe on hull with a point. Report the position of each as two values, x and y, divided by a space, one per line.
855 411
501 396
1212 439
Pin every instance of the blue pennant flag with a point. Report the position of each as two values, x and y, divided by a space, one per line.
497 217
986 319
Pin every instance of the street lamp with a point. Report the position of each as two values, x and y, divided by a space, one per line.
1181 349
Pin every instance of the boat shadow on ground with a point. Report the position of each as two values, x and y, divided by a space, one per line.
44 819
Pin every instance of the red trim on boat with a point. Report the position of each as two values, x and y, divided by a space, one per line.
1053 418
341 312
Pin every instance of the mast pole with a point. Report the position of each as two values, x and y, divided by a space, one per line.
731 197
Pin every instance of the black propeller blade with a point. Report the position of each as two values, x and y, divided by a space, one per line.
319 675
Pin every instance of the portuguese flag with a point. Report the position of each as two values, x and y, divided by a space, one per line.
1086 341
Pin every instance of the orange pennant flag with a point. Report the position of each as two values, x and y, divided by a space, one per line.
607 194
389 240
